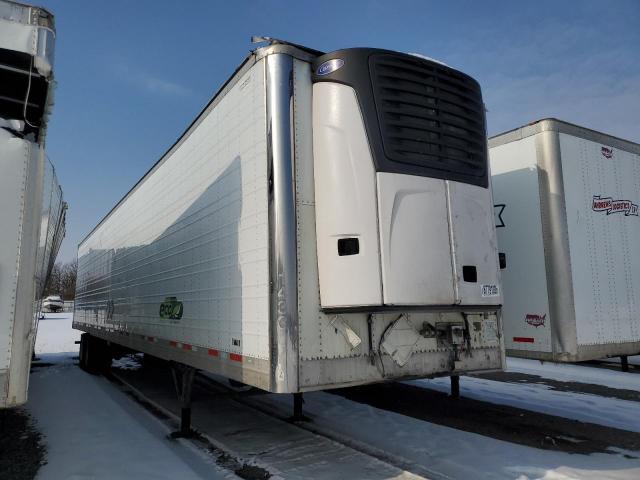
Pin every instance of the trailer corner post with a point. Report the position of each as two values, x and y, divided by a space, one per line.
284 307
556 237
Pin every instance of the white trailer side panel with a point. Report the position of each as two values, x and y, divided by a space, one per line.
516 194
192 238
21 165
602 193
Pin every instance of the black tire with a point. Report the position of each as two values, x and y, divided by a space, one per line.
95 354
82 355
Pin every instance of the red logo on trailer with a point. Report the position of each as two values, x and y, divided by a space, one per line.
607 152
535 320
609 205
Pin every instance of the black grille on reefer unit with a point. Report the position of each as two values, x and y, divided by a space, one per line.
430 116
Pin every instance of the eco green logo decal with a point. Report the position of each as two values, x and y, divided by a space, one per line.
171 308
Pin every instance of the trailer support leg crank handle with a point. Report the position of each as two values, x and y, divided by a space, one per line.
183 382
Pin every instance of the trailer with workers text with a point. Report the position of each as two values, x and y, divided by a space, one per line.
566 205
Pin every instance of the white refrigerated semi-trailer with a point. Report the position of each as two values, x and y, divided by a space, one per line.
325 221
566 203
32 213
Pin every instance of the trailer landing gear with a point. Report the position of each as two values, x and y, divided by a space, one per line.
183 381
624 363
297 408
455 386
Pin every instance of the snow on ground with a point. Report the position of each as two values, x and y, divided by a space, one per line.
94 430
566 372
611 412
633 360
55 334
451 453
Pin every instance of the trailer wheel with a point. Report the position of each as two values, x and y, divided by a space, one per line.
95 354
82 354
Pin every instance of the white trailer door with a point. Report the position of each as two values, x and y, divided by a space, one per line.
602 194
415 251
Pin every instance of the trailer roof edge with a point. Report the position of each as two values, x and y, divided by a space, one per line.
560 126
296 51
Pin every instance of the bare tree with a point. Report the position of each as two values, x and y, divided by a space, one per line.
68 286
62 280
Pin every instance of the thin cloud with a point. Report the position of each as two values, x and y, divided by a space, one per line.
150 83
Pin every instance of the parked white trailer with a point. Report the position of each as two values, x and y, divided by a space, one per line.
567 216
325 221
32 215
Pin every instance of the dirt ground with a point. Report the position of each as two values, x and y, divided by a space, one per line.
22 451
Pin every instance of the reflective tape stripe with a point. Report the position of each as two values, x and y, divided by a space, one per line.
523 339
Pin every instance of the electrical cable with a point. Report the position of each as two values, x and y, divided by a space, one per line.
26 99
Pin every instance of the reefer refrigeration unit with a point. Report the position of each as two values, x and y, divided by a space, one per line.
325 221
32 213
566 204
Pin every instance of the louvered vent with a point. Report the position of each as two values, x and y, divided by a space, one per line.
430 116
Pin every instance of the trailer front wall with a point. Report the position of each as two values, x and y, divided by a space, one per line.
516 194
183 260
341 349
602 194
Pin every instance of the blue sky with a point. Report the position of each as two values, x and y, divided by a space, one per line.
133 74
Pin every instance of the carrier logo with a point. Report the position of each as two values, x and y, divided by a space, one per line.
329 66
607 152
535 320
609 205
171 308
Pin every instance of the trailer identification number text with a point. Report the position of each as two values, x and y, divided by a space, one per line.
490 291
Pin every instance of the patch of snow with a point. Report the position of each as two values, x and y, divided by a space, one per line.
451 453
566 372
128 362
93 430
424 57
610 412
633 360
55 334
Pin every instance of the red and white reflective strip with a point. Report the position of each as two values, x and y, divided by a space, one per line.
183 346
212 352
234 357
523 339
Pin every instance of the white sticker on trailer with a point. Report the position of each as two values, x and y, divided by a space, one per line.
490 290
490 330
